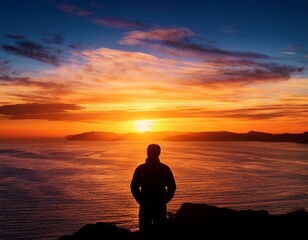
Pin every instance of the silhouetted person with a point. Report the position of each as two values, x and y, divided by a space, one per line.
153 186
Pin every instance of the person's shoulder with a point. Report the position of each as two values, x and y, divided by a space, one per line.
165 166
140 166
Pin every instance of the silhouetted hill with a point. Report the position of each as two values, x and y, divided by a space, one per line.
193 136
110 136
203 221
95 136
250 136
133 136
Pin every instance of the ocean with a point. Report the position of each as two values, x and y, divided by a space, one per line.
52 188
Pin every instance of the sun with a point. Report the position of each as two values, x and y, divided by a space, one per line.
143 125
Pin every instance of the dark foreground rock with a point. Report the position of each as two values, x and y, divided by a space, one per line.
202 221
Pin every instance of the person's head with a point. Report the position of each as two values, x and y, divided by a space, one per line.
153 150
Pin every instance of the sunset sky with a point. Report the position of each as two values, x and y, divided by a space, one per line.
68 67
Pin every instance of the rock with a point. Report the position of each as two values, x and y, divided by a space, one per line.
99 231
203 221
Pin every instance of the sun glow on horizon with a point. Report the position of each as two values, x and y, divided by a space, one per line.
143 125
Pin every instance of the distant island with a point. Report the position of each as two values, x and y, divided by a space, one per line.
192 136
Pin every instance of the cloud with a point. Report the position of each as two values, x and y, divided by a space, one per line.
260 73
298 52
295 48
34 89
212 64
204 50
15 36
5 79
118 23
5 67
53 38
34 51
180 39
95 4
81 45
41 89
23 86
106 21
112 85
73 9
108 76
36 109
266 112
156 34
9 75
114 64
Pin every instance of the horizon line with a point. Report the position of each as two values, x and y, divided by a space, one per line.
46 137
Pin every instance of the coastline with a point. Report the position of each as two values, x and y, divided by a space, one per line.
219 136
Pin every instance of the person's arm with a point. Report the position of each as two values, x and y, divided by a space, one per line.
171 186
135 186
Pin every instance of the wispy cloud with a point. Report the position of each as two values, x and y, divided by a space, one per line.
81 45
74 9
296 48
298 52
126 77
35 110
5 66
34 51
264 112
34 89
226 66
199 49
6 79
15 36
9 75
71 112
118 23
180 39
156 34
53 38
261 73
96 4
115 86
102 20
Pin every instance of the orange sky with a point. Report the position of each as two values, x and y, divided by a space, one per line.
108 90
68 67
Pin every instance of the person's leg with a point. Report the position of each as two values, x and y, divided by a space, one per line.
145 220
159 220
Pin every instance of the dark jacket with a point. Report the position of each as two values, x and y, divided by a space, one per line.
153 183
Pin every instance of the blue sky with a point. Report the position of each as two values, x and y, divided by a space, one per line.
268 27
